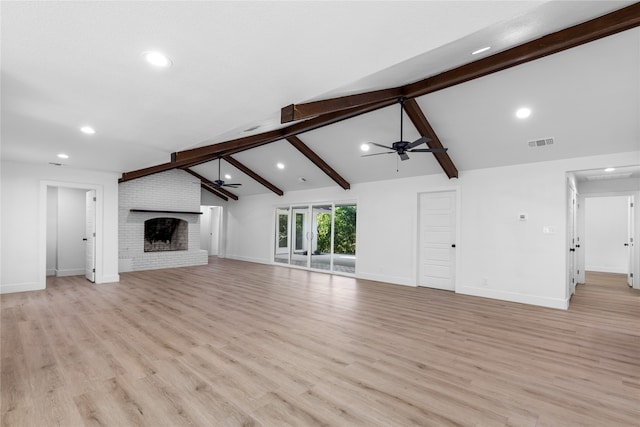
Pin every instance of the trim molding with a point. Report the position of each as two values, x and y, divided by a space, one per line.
20 287
559 303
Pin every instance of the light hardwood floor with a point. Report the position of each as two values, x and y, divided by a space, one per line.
236 343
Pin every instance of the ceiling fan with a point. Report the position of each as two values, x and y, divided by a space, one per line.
403 147
221 183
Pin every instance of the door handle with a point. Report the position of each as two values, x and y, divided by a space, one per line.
453 245
84 239
577 246
626 244
572 249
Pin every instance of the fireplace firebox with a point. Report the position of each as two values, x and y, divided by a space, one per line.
166 234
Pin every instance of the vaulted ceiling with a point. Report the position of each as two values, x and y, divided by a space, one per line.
242 71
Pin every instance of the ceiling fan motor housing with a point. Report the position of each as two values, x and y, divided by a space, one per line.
400 146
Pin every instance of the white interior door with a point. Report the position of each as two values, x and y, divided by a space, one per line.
571 238
90 236
630 242
437 251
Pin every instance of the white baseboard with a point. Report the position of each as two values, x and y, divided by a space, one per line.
559 303
70 272
21 287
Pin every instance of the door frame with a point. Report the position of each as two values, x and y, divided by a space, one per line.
581 230
573 246
42 227
458 238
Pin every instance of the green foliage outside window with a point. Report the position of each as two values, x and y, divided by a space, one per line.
344 239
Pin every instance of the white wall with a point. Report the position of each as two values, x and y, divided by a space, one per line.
71 225
498 256
24 222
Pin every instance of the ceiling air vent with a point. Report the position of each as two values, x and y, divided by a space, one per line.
541 142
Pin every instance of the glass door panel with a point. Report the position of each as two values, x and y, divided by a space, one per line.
321 237
344 239
282 236
300 235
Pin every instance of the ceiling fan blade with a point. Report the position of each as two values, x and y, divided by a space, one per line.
232 185
429 150
381 146
419 141
403 156
377 154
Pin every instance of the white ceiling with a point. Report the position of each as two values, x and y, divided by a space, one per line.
235 64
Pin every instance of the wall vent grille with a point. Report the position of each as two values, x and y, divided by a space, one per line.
541 142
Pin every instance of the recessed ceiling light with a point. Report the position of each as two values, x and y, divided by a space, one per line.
523 113
227 176
63 156
88 130
157 59
365 147
609 169
280 165
484 49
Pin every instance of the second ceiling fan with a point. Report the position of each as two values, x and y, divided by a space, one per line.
220 183
403 147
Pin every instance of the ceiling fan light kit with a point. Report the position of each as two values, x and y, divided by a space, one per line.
403 147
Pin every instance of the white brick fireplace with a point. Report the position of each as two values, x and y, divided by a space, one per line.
171 194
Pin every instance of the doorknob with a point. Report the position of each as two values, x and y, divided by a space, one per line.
84 239
453 245
626 244
572 249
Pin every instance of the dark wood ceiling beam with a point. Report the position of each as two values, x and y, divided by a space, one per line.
295 112
594 29
196 156
127 176
253 175
224 149
420 122
211 184
317 160
214 192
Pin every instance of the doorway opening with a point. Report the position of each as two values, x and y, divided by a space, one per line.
210 229
70 222
603 228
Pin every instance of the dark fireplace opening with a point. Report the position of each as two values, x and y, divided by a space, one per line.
166 234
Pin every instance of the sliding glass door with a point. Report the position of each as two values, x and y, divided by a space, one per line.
281 254
319 237
344 240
